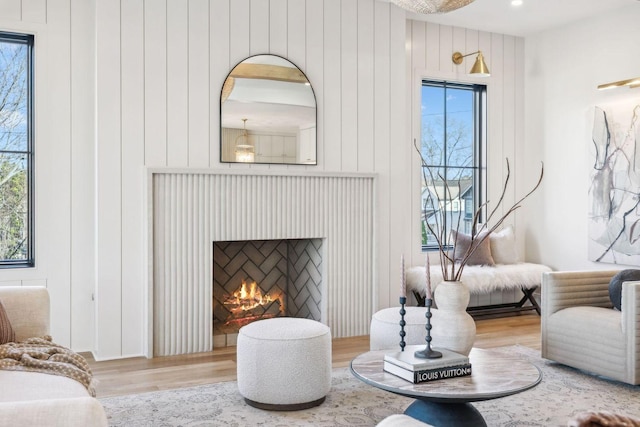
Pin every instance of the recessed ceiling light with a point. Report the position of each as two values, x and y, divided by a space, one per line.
516 2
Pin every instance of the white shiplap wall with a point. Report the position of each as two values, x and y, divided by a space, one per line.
64 161
429 50
160 67
125 85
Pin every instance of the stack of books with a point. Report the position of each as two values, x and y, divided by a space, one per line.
406 366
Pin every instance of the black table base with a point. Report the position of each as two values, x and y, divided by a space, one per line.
446 414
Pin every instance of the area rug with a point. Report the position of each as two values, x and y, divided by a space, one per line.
563 393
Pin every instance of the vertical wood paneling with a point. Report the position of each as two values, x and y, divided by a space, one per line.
432 39
239 30
82 165
177 83
345 209
349 85
509 102
133 196
220 65
155 82
399 153
382 135
259 29
36 11
315 68
365 84
198 83
109 181
53 226
11 9
332 125
446 49
418 39
519 161
296 33
278 18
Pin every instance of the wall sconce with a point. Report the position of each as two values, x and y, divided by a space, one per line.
479 68
631 83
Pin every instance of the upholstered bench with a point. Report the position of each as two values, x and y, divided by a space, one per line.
384 332
284 363
481 279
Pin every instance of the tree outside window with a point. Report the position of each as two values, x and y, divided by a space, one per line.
452 128
16 150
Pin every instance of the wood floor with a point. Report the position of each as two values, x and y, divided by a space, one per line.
137 375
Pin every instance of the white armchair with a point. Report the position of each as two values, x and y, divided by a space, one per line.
580 328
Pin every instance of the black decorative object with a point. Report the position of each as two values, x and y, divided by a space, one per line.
428 352
615 285
403 301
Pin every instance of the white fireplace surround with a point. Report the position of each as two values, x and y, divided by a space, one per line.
189 209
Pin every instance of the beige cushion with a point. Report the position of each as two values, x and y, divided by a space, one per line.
588 338
6 331
28 310
35 385
503 246
482 253
75 412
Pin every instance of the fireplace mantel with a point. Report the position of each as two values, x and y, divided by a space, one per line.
188 209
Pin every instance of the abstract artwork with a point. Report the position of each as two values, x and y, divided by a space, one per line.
614 190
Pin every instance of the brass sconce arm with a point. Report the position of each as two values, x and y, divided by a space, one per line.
479 67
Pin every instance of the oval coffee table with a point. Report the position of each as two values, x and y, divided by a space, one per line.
446 402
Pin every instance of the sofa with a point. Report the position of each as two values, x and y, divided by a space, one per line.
580 328
39 399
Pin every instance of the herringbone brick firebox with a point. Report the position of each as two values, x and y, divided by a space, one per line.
287 277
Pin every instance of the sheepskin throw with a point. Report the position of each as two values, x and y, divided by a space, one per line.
481 279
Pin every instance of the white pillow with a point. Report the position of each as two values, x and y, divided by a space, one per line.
503 246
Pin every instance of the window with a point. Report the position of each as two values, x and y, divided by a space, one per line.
16 150
452 141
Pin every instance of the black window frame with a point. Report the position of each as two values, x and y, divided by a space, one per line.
27 40
479 146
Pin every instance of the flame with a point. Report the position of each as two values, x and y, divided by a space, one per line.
245 299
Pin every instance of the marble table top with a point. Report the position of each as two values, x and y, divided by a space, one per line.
494 375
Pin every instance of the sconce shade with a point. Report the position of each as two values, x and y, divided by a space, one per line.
479 67
432 6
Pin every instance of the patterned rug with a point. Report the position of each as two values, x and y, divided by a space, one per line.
562 393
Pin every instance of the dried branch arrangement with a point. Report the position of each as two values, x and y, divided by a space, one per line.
452 270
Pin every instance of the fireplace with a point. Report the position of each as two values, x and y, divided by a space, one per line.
191 209
261 279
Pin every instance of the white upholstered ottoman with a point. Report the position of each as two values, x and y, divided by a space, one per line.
384 332
284 363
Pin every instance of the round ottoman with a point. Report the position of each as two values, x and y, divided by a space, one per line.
284 363
384 332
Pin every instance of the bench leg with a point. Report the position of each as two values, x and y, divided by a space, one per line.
514 307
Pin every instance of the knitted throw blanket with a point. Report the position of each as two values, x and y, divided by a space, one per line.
44 356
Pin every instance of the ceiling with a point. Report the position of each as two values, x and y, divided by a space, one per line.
498 16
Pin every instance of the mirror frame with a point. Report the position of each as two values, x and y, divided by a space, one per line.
315 133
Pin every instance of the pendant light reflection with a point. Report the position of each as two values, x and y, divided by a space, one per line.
245 152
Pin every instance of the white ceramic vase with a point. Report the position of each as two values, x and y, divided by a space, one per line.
452 327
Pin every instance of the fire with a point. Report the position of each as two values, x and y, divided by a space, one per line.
244 299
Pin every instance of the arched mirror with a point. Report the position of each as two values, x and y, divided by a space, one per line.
267 113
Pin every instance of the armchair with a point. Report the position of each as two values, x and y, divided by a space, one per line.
579 327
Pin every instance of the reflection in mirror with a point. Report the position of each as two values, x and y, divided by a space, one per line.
267 113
